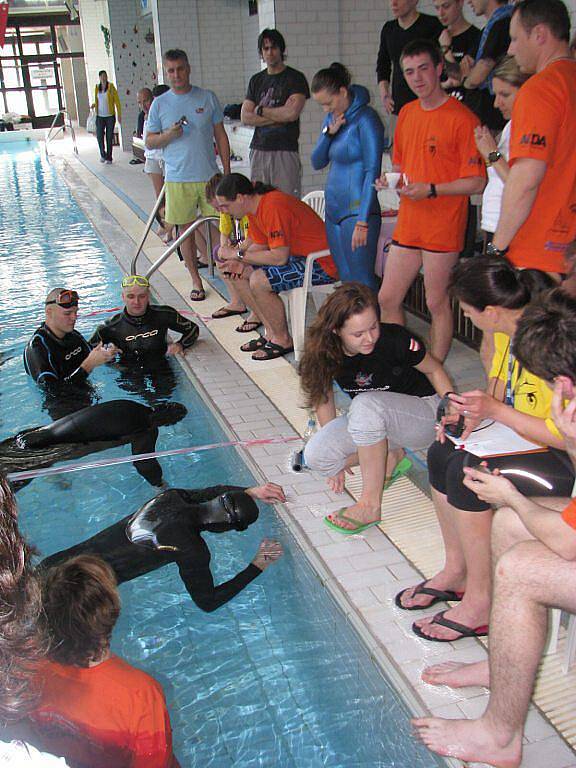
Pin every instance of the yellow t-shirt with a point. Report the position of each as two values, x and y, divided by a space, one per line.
226 225
531 394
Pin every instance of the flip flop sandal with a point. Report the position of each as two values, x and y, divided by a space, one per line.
254 344
439 595
197 294
359 526
273 351
226 312
248 326
462 629
399 470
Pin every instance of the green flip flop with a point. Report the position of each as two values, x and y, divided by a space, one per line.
359 525
399 470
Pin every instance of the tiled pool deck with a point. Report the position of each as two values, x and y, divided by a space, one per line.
261 400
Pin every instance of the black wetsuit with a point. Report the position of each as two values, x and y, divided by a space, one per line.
130 560
55 364
91 429
144 339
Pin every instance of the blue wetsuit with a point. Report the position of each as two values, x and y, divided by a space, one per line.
355 157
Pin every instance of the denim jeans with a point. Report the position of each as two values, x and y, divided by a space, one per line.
105 125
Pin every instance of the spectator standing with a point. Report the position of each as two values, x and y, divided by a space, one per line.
107 106
95 709
478 94
274 101
507 82
408 25
184 123
538 220
283 232
459 41
352 142
435 151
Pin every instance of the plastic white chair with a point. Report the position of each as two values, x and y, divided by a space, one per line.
297 298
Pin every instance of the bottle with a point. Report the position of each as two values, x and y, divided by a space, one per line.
298 463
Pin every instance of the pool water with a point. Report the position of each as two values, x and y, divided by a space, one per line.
274 678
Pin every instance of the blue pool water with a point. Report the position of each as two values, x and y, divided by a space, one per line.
274 678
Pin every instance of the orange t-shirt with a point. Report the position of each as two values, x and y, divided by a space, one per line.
543 128
283 220
435 146
109 715
569 514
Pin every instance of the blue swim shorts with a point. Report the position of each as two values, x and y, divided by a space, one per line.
291 274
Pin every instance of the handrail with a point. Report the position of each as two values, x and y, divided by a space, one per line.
179 240
50 136
148 227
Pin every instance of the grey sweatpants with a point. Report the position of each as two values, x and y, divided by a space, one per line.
279 168
406 421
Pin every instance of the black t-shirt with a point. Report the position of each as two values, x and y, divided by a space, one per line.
274 91
480 100
389 367
466 43
393 39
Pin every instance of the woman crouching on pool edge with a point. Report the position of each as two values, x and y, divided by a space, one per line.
395 386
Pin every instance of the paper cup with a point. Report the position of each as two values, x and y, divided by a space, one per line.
392 179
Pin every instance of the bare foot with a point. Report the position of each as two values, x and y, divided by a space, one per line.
456 675
470 741
362 511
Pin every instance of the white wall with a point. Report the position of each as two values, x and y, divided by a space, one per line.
94 15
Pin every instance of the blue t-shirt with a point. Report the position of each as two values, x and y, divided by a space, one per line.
190 157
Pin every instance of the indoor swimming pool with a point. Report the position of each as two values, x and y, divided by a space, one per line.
274 678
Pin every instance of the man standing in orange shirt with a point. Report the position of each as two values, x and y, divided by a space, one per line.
435 151
538 217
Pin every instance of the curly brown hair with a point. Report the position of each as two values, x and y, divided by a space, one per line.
22 644
323 354
81 607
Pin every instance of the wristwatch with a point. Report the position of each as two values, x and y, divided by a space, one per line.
432 192
491 250
240 254
259 110
493 157
326 131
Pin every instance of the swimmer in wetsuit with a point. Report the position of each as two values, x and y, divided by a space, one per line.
89 430
59 358
168 529
140 330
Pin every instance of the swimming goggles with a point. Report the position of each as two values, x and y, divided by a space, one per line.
65 299
131 280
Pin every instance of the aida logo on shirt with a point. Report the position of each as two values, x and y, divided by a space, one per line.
276 233
533 139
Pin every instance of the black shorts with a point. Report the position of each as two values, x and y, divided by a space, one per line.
446 465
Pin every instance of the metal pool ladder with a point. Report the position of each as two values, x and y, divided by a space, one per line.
52 134
203 220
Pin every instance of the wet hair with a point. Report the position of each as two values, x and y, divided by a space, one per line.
81 608
22 644
551 13
492 281
234 184
509 72
103 72
274 37
417 47
158 90
167 413
545 338
212 185
176 54
323 354
331 79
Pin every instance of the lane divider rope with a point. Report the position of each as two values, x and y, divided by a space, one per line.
48 471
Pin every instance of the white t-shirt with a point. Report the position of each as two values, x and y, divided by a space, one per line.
492 197
103 108
20 755
150 154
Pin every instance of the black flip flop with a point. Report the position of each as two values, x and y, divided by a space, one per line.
439 595
254 325
226 312
462 629
254 344
273 351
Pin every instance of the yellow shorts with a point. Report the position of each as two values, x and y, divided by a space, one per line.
185 201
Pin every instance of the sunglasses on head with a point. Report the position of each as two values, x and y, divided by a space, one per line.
65 299
131 280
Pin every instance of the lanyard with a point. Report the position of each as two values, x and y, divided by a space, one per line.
509 399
